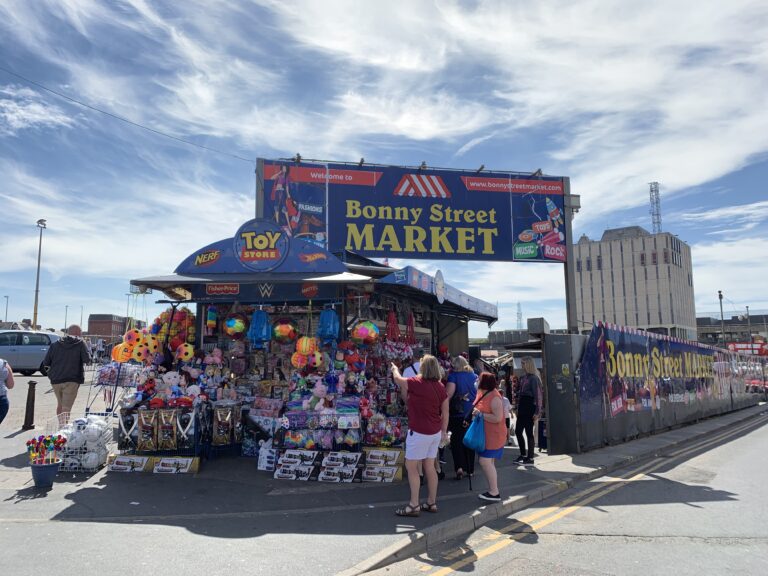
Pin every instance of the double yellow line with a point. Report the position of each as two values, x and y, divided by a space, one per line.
538 520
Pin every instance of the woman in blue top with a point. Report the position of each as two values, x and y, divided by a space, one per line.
461 389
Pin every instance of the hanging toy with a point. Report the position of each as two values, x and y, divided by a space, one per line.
299 360
235 326
328 328
306 345
365 332
185 352
284 331
260 331
211 318
132 337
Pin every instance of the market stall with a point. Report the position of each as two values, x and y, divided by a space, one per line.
276 349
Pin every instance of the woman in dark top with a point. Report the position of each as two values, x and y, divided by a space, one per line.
461 389
527 409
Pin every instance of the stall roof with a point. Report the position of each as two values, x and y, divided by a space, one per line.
299 269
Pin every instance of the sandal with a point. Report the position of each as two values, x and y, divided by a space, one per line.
427 507
408 510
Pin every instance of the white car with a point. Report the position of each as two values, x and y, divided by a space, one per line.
25 350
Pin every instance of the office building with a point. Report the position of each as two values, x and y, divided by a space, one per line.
634 278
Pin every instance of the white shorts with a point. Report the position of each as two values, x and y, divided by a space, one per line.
421 446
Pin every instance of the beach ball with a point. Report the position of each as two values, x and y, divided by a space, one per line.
365 332
315 360
132 337
299 360
152 342
76 440
140 353
90 460
124 352
92 432
235 326
185 352
284 331
306 345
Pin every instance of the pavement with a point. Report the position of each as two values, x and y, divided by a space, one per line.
350 528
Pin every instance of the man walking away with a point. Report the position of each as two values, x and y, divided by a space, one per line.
64 361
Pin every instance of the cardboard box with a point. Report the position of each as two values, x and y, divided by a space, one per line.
345 474
336 459
267 459
174 465
383 457
304 457
382 473
118 463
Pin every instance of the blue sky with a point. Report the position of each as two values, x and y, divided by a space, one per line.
612 94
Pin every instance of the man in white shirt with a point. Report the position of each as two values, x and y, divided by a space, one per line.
411 368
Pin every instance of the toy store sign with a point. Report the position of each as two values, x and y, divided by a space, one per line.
261 246
222 289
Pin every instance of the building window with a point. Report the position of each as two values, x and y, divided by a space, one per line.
666 256
599 262
578 265
653 258
642 258
589 264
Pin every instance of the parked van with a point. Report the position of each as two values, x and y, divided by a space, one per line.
25 350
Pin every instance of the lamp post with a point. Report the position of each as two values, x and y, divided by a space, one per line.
722 321
127 312
66 313
6 308
81 318
41 225
749 329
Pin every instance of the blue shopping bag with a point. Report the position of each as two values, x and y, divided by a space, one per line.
474 438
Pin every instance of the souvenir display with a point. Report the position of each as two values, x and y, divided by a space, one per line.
86 446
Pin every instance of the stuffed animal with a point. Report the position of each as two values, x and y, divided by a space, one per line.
365 408
317 400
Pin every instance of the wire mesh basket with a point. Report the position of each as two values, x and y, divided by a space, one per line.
89 441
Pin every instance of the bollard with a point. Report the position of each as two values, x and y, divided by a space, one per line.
29 412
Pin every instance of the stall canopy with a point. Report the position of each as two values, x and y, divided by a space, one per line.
262 263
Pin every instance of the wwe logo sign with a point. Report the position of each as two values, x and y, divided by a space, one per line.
266 290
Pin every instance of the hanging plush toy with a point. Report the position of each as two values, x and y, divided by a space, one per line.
365 333
260 331
306 345
328 328
235 326
211 319
284 331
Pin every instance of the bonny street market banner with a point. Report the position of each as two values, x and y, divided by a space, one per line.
625 370
391 211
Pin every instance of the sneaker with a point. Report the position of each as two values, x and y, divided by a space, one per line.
490 497
520 459
527 462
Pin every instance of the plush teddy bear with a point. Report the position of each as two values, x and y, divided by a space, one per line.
317 400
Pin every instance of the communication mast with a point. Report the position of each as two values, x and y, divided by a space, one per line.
519 316
655 207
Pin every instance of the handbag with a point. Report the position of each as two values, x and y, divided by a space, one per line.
474 438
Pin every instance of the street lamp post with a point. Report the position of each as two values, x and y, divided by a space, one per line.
81 318
41 225
722 321
749 329
6 308
66 313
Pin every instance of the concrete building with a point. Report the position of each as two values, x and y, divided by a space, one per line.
634 278
739 332
110 327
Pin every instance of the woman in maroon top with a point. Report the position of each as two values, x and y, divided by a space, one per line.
427 427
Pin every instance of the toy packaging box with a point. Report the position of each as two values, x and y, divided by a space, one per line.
175 465
383 457
119 463
337 474
382 473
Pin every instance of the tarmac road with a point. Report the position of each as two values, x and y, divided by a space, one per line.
231 517
699 511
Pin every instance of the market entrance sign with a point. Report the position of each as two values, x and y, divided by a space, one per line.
391 211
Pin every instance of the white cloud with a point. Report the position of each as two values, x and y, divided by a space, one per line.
22 109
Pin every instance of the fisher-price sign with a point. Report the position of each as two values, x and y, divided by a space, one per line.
261 246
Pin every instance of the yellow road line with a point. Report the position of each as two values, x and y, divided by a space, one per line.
592 494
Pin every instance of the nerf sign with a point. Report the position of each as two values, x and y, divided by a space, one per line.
261 246
208 257
419 213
